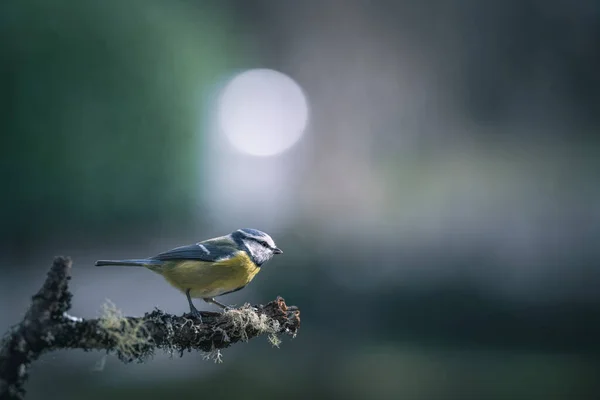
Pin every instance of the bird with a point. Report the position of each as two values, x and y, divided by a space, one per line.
210 268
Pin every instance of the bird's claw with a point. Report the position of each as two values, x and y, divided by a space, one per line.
228 308
196 314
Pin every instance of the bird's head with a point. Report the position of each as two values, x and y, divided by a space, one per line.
259 246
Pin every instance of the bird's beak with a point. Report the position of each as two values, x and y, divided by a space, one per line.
277 250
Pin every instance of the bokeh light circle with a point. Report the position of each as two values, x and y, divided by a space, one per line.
262 112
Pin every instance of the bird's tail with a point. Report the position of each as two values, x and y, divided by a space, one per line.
128 263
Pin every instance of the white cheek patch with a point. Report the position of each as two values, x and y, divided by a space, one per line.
250 246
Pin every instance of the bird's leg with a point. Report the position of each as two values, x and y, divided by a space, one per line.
216 303
193 310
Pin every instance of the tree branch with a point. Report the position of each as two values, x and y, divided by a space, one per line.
47 326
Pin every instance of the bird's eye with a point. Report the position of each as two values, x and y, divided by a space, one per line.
265 244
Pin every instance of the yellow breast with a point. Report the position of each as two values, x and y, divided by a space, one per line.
210 279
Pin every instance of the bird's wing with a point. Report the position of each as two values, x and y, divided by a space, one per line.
205 251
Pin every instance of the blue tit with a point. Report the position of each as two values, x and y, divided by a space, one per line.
210 268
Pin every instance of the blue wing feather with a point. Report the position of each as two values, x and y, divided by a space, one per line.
203 251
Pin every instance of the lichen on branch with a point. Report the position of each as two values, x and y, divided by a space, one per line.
47 326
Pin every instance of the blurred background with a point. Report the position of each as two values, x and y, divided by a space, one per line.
430 169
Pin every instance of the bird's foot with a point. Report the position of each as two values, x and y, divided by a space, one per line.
196 314
228 308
